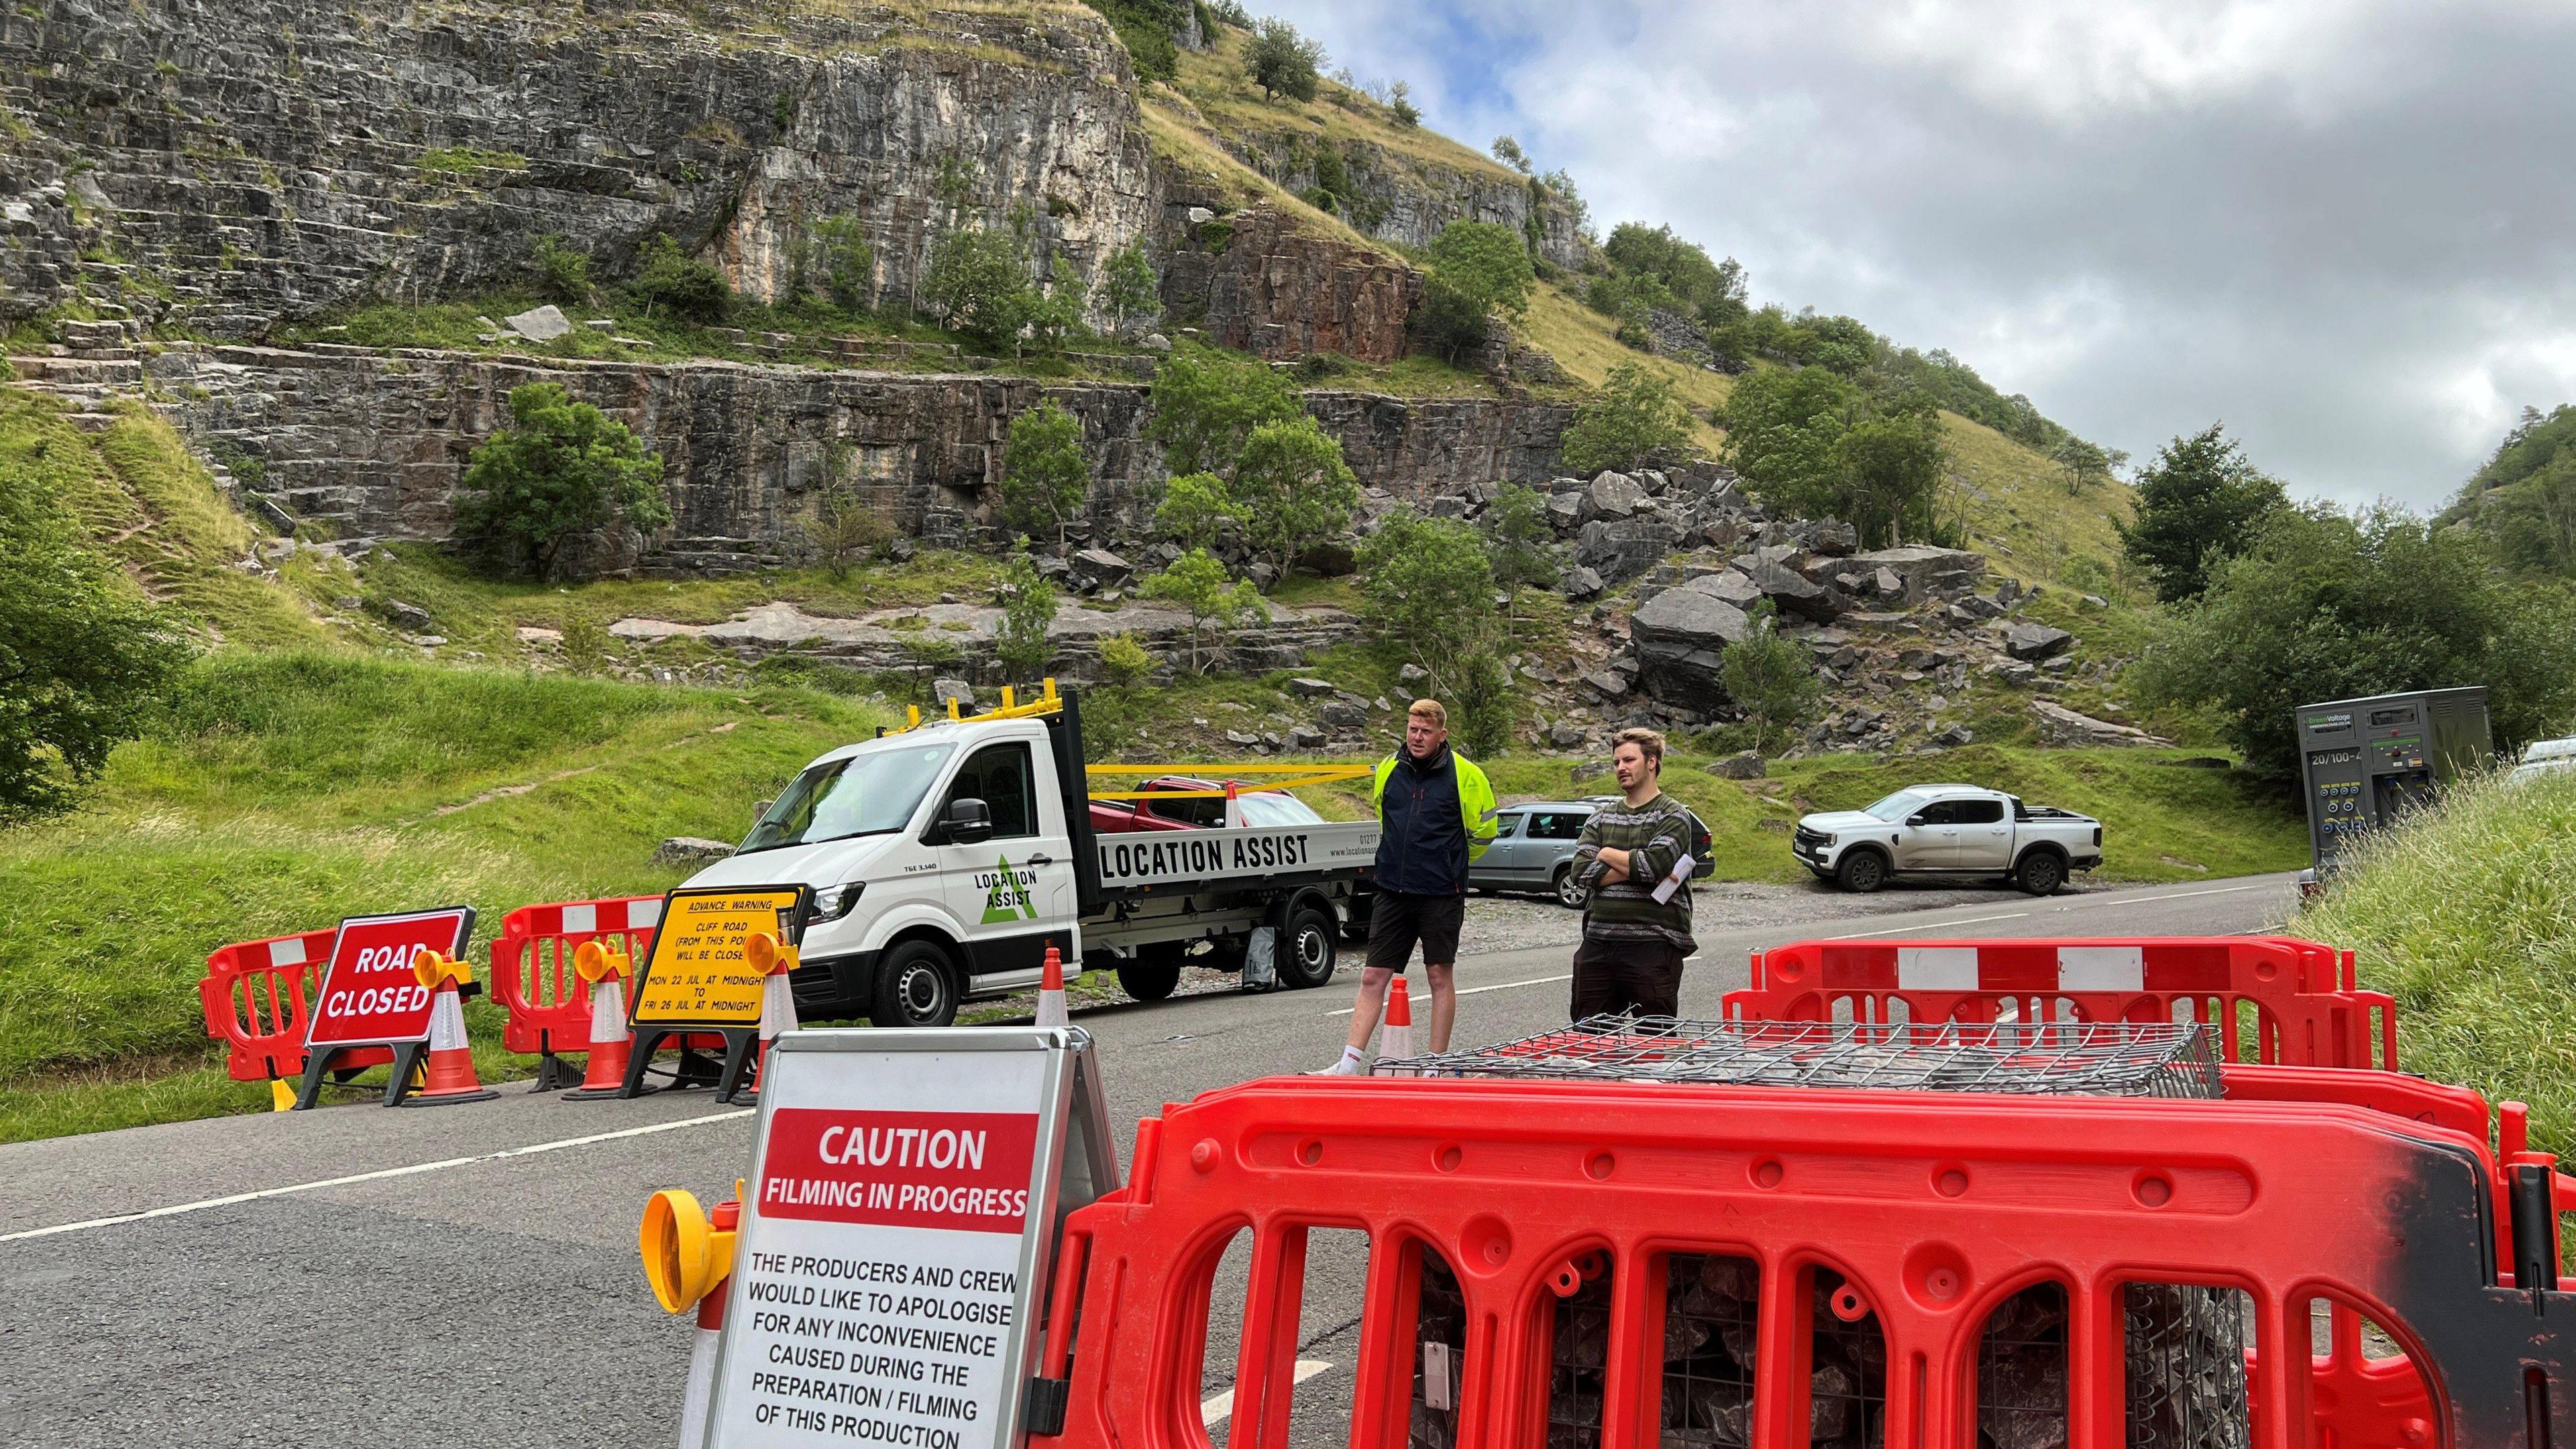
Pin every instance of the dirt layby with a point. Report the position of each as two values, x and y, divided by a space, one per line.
2028 1193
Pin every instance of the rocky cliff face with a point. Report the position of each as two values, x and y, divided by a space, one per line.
1406 199
217 164
374 445
1259 282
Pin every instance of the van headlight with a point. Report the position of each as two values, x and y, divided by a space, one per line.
833 902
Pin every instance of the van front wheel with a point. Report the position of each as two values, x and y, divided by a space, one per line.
916 986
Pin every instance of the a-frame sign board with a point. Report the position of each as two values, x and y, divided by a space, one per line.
370 996
908 1191
694 980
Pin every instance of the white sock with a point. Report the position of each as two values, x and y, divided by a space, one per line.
1353 1055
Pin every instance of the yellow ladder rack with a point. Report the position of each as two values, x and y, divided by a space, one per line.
1296 777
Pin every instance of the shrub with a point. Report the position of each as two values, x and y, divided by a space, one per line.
1195 510
1130 288
1125 663
978 284
561 470
1205 404
844 528
2327 605
563 274
2199 502
1045 479
1291 489
1811 443
1477 268
846 261
1282 62
1520 540
84 658
1399 100
669 280
1633 418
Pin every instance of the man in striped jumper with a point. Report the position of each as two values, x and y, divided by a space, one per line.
1635 858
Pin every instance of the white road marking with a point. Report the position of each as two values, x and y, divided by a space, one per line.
1925 926
1220 1408
1471 991
418 1167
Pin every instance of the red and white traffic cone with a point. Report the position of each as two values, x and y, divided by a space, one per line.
1396 1041
726 1218
449 1077
1051 1010
775 961
611 1044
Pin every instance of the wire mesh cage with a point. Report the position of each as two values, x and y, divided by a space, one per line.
2118 1059
2186 1366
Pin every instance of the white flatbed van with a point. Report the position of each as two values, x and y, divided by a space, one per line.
945 859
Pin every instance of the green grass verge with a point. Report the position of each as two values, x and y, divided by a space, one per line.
2468 918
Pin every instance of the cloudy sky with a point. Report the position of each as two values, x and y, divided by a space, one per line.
2346 228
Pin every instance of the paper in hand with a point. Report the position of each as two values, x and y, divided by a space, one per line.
1671 883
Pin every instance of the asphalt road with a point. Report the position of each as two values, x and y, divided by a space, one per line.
467 1275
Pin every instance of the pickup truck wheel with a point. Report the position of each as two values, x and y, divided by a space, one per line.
916 986
2040 872
1569 892
1861 870
1308 954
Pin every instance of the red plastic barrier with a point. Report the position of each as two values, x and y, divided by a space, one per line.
533 976
2305 1012
1920 1214
253 994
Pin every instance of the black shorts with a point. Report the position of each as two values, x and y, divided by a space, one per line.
1398 920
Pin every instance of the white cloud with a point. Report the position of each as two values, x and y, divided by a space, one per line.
2347 227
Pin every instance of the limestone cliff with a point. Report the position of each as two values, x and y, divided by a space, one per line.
223 163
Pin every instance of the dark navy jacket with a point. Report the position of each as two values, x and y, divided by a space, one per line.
1423 848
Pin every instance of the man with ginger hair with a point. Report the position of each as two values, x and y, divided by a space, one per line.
1634 857
1435 814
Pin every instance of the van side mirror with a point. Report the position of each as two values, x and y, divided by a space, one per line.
966 822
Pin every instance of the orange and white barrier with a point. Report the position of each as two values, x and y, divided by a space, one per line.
610 1042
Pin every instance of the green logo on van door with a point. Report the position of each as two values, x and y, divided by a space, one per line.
1006 893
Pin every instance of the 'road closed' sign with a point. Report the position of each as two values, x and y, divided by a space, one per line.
891 1254
369 995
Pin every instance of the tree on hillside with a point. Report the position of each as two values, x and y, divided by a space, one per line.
1045 479
1428 591
978 283
1195 509
2327 605
1889 469
1632 420
1520 541
84 657
1129 288
1282 62
1478 268
1199 584
1770 679
560 471
1812 444
2525 497
1146 28
1509 152
1291 490
1712 291
1399 100
563 271
2080 464
1205 404
845 265
2200 501
1028 610
668 280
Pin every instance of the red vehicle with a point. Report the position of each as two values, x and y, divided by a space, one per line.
1198 812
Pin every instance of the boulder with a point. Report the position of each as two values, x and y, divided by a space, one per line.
1580 583
1833 538
1679 634
1975 609
1566 737
1313 688
1798 595
404 616
1565 512
1342 715
691 850
944 690
1411 675
2035 642
2059 725
1621 549
1448 505
1609 681
1955 736
1614 495
1100 563
1924 570
1304 737
1333 557
1746 766
1241 740
1732 585
1157 342
542 324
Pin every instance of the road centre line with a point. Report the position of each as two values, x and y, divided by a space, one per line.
529 1150
1925 926
1220 1407
1469 991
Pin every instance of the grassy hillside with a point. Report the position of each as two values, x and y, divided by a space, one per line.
2468 918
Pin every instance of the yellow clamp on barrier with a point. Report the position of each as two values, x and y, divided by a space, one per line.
431 968
685 1256
763 953
595 963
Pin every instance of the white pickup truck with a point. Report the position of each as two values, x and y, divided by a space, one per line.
945 859
1948 830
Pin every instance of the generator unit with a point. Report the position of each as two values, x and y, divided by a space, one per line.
2366 762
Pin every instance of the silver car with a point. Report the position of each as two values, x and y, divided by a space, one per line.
1533 849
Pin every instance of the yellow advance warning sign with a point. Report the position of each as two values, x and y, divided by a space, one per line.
696 972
